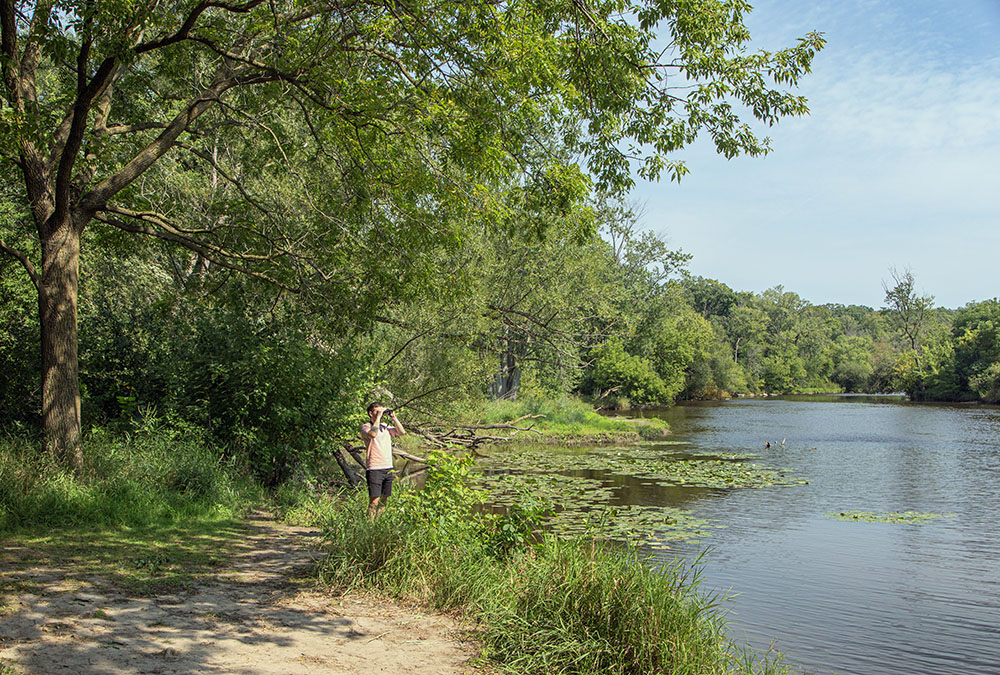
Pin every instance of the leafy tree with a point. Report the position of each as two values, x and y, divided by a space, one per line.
407 116
708 296
852 362
976 334
986 383
616 371
673 337
908 309
745 328
642 258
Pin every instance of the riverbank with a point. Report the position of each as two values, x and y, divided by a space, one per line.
156 523
540 603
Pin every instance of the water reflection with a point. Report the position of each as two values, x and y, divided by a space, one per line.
853 597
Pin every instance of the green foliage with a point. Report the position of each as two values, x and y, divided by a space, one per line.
565 415
673 337
265 383
852 359
351 151
976 335
633 376
957 358
986 383
157 475
20 380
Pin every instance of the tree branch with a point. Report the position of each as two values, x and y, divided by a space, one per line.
98 197
211 253
129 128
23 259
87 93
183 33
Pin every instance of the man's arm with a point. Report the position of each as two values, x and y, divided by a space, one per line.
398 425
373 431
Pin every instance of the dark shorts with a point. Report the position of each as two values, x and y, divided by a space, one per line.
379 482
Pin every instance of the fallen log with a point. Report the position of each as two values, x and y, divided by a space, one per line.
353 476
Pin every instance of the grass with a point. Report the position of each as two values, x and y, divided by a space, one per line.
149 513
155 512
542 604
148 560
163 476
567 416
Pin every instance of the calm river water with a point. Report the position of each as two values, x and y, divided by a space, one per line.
852 597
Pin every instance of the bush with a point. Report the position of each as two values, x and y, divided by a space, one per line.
633 375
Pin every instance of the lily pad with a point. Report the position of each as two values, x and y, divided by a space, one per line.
581 503
905 517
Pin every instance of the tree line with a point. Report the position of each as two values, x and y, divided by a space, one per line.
248 216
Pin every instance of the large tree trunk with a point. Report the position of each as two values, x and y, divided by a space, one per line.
57 299
508 378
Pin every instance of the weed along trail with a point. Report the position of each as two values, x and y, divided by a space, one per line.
254 610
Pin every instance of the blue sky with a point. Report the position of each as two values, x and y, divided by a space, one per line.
898 164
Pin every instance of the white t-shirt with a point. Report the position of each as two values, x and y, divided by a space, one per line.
378 450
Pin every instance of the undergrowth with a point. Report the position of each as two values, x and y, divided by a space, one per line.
543 604
154 475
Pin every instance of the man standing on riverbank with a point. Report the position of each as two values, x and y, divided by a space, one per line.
378 456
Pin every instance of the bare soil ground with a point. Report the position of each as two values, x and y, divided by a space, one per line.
256 615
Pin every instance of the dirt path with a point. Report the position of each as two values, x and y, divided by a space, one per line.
255 617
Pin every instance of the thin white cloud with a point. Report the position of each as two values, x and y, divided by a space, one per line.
896 166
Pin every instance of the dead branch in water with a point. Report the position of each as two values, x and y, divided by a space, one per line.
469 436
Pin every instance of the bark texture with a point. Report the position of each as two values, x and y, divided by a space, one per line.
57 302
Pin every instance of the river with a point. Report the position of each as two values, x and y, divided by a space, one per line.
851 597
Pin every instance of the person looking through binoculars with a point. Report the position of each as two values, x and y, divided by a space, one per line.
377 438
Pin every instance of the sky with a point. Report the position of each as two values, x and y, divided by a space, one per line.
896 166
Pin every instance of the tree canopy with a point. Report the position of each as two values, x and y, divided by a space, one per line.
331 148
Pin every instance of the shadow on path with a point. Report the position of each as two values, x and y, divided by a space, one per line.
257 614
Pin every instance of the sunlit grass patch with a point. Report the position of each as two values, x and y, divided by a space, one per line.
129 481
142 561
897 517
566 417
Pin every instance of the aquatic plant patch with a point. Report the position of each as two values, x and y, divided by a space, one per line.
582 503
653 462
714 473
903 517
509 488
650 526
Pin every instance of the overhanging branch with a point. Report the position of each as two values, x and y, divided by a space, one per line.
25 263
210 252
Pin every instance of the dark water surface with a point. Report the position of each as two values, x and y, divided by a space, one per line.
852 597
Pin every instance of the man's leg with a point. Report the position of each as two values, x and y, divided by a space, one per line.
386 492
375 480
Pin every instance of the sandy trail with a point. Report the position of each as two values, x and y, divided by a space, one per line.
256 616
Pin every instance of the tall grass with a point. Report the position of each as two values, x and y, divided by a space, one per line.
154 475
543 604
